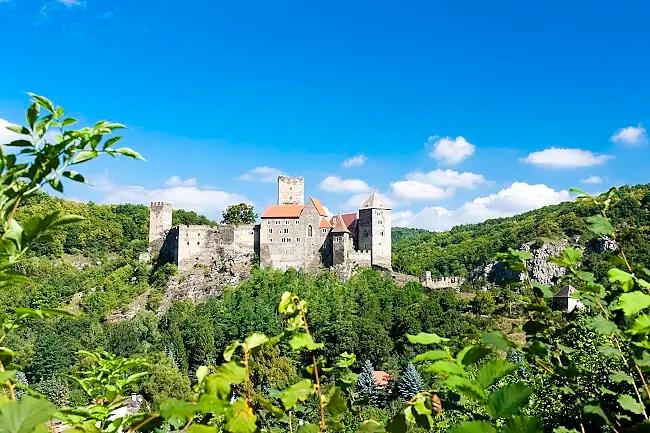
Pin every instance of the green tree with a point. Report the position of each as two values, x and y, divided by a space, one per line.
237 214
410 383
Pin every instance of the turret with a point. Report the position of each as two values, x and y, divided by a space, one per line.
341 241
160 222
375 230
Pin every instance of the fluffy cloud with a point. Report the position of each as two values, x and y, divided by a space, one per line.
262 174
517 198
415 190
557 157
184 194
355 161
7 136
448 178
336 184
450 151
433 185
593 180
630 135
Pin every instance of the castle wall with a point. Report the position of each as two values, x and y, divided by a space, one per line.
208 246
375 235
361 259
291 190
440 283
160 222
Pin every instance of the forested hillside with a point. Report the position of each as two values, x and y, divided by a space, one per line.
467 247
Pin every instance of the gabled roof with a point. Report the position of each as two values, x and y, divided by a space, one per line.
375 201
324 224
283 211
350 219
339 225
319 207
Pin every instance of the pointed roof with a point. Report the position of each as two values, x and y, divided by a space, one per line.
349 219
319 207
325 224
375 201
339 225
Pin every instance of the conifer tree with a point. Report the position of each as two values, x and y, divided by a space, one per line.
410 383
366 386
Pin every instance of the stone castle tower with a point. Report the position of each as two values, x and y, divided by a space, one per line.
341 242
160 222
291 190
375 230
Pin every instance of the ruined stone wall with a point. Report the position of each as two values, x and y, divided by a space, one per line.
291 190
440 283
210 246
360 258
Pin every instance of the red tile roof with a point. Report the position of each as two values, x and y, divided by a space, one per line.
339 225
319 207
349 219
324 224
283 211
382 378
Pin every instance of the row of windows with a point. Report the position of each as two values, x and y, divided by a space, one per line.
286 222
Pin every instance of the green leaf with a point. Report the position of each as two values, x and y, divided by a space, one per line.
68 121
600 225
626 279
240 418
601 325
309 427
18 129
43 101
178 411
610 351
256 339
632 302
620 376
629 403
201 373
84 156
74 175
446 368
397 424
465 387
507 401
473 427
498 341
127 151
579 192
427 339
335 402
229 351
523 424
25 415
641 325
593 409
492 371
296 392
6 355
471 354
371 426
432 355
303 340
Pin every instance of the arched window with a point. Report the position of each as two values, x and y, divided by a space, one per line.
309 231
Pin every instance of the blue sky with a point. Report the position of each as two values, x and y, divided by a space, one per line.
460 110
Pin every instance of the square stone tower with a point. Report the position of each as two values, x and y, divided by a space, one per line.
160 222
291 190
375 230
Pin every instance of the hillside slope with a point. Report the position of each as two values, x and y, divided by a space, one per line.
467 247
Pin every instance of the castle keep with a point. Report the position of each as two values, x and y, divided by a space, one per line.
293 233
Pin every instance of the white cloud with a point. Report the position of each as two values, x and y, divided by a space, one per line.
178 181
630 135
355 161
414 190
450 151
182 194
262 174
593 179
517 198
7 136
557 157
448 178
336 184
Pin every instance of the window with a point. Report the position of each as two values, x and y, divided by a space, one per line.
381 233
198 243
380 222
310 231
270 239
277 222
297 239
268 222
285 231
270 230
324 230
287 222
297 222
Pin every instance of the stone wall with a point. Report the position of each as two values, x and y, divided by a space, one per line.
291 190
360 258
440 283
160 222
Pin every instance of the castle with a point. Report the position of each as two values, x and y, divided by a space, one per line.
291 234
